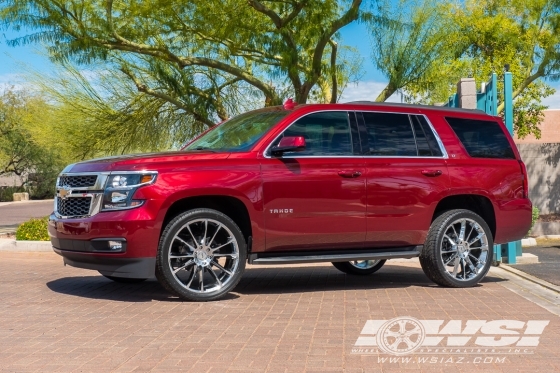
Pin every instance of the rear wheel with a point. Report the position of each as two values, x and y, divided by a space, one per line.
359 267
458 249
201 255
125 280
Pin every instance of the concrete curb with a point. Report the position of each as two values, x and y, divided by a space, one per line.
13 245
528 277
549 237
528 242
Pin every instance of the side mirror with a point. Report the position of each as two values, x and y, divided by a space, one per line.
289 144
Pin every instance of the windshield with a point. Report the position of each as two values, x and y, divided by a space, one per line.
239 133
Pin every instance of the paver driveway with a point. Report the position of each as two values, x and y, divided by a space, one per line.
292 319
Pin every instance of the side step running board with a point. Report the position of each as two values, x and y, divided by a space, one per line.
292 259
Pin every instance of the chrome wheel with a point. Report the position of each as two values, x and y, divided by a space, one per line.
360 267
464 250
203 255
458 249
364 264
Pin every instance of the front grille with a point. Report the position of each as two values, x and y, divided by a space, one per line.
78 181
74 206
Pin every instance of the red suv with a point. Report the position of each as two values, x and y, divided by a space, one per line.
353 184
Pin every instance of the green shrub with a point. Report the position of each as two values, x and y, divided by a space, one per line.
535 216
7 192
33 230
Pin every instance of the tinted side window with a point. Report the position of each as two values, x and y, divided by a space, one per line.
326 133
425 138
389 134
482 138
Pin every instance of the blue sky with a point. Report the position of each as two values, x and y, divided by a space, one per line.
15 60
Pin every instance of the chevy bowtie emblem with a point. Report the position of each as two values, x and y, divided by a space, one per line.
64 192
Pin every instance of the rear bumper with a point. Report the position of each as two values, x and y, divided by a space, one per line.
513 220
110 266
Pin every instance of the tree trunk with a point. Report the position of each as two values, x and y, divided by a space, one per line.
386 92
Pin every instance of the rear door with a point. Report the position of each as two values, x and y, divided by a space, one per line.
315 199
406 177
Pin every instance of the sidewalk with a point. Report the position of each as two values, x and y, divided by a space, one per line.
548 268
305 318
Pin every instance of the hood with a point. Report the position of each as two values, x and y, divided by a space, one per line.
139 162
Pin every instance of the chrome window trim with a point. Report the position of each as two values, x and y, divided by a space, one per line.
445 155
267 156
438 139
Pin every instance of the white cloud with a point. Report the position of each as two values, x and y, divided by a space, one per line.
553 102
9 81
366 91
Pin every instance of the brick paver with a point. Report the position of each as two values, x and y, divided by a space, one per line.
279 319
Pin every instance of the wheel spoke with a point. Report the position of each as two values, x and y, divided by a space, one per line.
215 277
219 255
471 265
450 259
201 278
451 241
184 242
220 267
470 233
480 235
205 232
190 262
456 266
454 230
462 231
219 247
180 256
214 236
192 235
483 248
190 281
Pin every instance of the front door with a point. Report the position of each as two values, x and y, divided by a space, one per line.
315 199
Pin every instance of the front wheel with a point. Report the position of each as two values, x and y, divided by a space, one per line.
359 267
201 255
458 249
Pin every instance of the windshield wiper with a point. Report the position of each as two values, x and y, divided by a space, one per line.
203 148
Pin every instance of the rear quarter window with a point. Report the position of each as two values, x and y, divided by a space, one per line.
482 138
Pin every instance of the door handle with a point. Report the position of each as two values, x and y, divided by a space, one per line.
431 173
349 174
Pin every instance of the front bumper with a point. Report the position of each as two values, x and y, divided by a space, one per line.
83 242
110 266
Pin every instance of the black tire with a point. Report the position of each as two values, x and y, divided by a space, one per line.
360 267
445 250
125 280
201 255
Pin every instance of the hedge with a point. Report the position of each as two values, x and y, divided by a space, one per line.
33 230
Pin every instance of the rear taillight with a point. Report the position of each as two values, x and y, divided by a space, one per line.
525 180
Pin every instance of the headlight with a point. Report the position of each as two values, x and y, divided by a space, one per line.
121 187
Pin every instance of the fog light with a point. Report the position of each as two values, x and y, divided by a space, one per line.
115 245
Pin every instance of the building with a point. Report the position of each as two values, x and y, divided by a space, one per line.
542 157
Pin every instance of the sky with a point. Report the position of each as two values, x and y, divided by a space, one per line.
15 61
